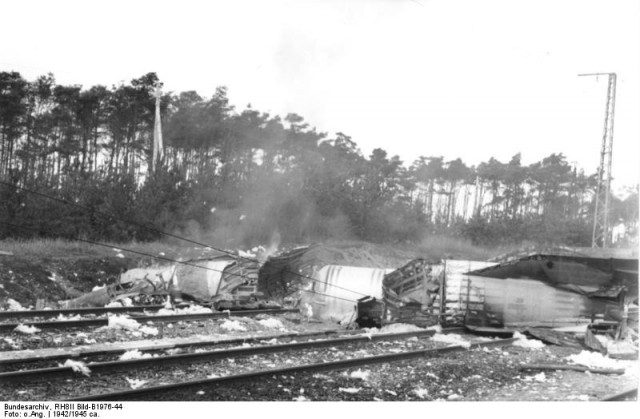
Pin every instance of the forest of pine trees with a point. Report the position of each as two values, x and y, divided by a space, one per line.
244 176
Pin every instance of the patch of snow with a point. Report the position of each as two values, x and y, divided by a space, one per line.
120 255
454 397
273 341
27 330
133 354
98 287
233 325
398 328
523 342
149 330
89 341
451 339
77 366
14 305
595 360
62 317
135 383
271 323
300 398
53 277
200 393
351 390
114 304
361 375
421 392
193 309
393 393
123 322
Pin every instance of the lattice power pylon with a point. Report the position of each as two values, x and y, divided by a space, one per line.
601 235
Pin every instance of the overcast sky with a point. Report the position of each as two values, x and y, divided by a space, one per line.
457 78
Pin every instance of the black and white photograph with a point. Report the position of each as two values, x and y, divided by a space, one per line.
208 206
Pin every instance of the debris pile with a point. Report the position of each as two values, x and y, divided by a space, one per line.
410 292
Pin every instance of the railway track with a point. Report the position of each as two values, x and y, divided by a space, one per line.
84 323
165 392
9 362
26 314
191 358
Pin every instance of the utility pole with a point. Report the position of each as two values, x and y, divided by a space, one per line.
601 236
157 131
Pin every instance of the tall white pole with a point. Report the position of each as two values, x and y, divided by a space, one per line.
157 132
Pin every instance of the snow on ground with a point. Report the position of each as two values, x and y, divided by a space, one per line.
360 375
452 339
523 342
134 354
14 305
135 383
596 360
61 317
147 330
122 322
271 323
420 392
233 325
27 330
194 309
77 366
393 328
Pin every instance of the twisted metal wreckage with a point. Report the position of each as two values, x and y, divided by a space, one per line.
550 288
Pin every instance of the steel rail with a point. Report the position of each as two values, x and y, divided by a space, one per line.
625 395
97 367
68 311
213 342
326 366
63 324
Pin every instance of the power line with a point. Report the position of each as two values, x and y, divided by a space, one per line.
152 229
167 259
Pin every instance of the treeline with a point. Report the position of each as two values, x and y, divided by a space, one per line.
246 177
